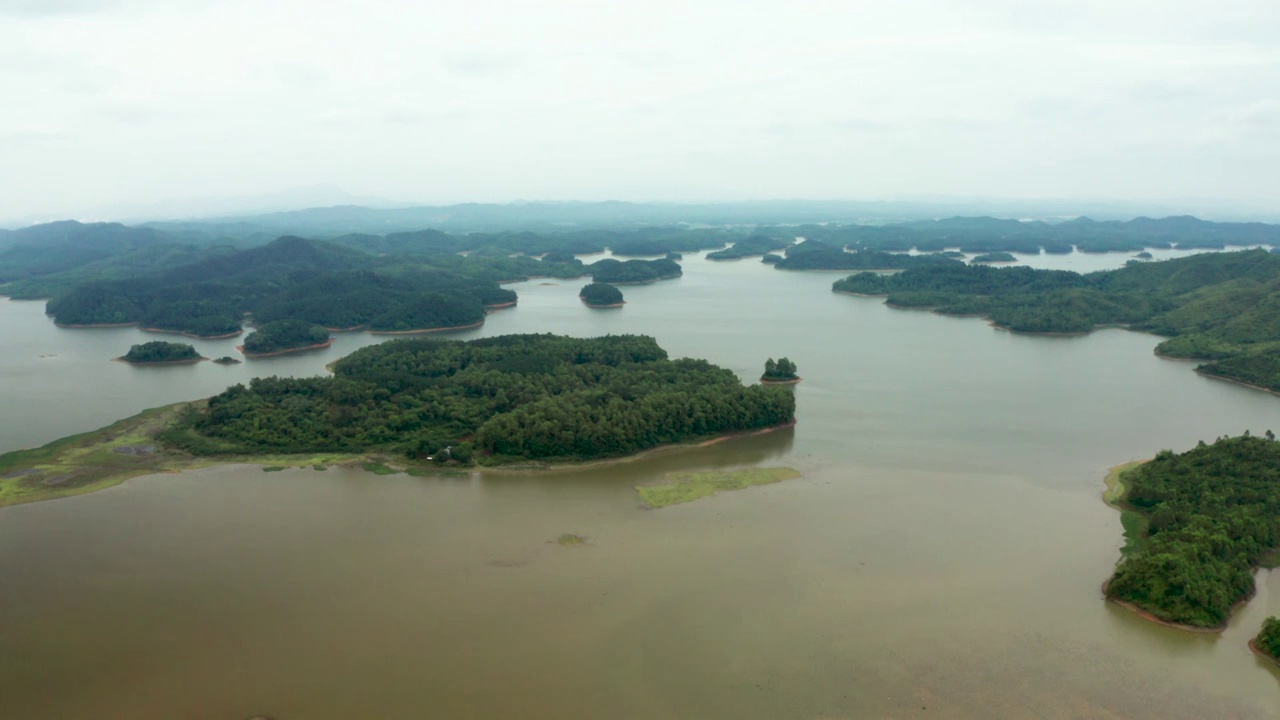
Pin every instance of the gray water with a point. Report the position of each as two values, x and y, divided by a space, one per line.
940 557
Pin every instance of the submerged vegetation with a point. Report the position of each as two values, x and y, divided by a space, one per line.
158 351
679 488
494 400
1212 515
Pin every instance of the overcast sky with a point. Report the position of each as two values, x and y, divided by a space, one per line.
111 102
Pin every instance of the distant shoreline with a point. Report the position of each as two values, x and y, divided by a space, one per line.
317 346
425 330
1223 378
187 361
192 335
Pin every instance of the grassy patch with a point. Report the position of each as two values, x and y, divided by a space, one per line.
569 540
378 468
1114 494
272 468
108 456
686 487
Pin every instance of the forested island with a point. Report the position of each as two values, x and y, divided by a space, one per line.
1267 643
780 372
1208 518
161 353
994 257
820 255
753 245
634 272
494 400
1221 307
601 295
285 336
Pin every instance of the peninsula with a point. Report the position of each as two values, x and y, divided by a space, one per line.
423 402
1205 520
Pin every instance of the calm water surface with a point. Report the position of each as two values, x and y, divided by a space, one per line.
941 556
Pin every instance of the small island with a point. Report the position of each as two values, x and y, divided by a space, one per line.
285 336
602 295
1144 255
1202 522
779 372
771 259
634 272
1267 644
227 360
159 352
995 257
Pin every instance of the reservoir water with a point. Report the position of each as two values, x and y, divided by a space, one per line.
940 557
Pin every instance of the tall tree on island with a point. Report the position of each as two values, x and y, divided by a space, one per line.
780 370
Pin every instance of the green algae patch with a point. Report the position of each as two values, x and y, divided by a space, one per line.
378 468
570 540
678 488
1115 487
1134 523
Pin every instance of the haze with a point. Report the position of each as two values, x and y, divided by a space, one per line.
110 105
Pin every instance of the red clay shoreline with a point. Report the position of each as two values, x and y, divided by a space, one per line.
794 381
500 306
286 351
601 307
193 336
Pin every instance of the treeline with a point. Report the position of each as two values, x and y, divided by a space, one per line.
295 279
1212 517
634 271
1223 307
159 351
531 397
820 255
1268 639
988 234
753 245
283 335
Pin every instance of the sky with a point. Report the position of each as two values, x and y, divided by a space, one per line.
109 104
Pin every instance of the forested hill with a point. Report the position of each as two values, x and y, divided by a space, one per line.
506 398
290 279
1213 306
1212 515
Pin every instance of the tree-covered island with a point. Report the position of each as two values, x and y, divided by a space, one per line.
1219 307
601 295
159 352
1267 643
1208 518
285 336
995 257
779 372
634 272
493 401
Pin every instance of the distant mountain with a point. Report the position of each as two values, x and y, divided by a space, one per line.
44 249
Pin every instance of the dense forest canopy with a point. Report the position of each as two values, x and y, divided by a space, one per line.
821 255
1213 306
601 295
1268 639
501 398
159 351
282 335
753 245
1213 515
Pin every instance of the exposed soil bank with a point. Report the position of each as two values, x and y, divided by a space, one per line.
793 381
1147 615
286 351
1233 381
603 307
1253 645
500 306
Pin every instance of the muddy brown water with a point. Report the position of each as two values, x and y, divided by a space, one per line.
940 557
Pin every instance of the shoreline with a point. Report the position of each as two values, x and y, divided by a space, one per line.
793 381
188 361
1233 381
533 466
90 326
602 307
426 330
74 466
193 336
317 346
1253 646
1198 629
500 306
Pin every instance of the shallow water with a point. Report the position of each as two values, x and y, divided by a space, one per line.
940 557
